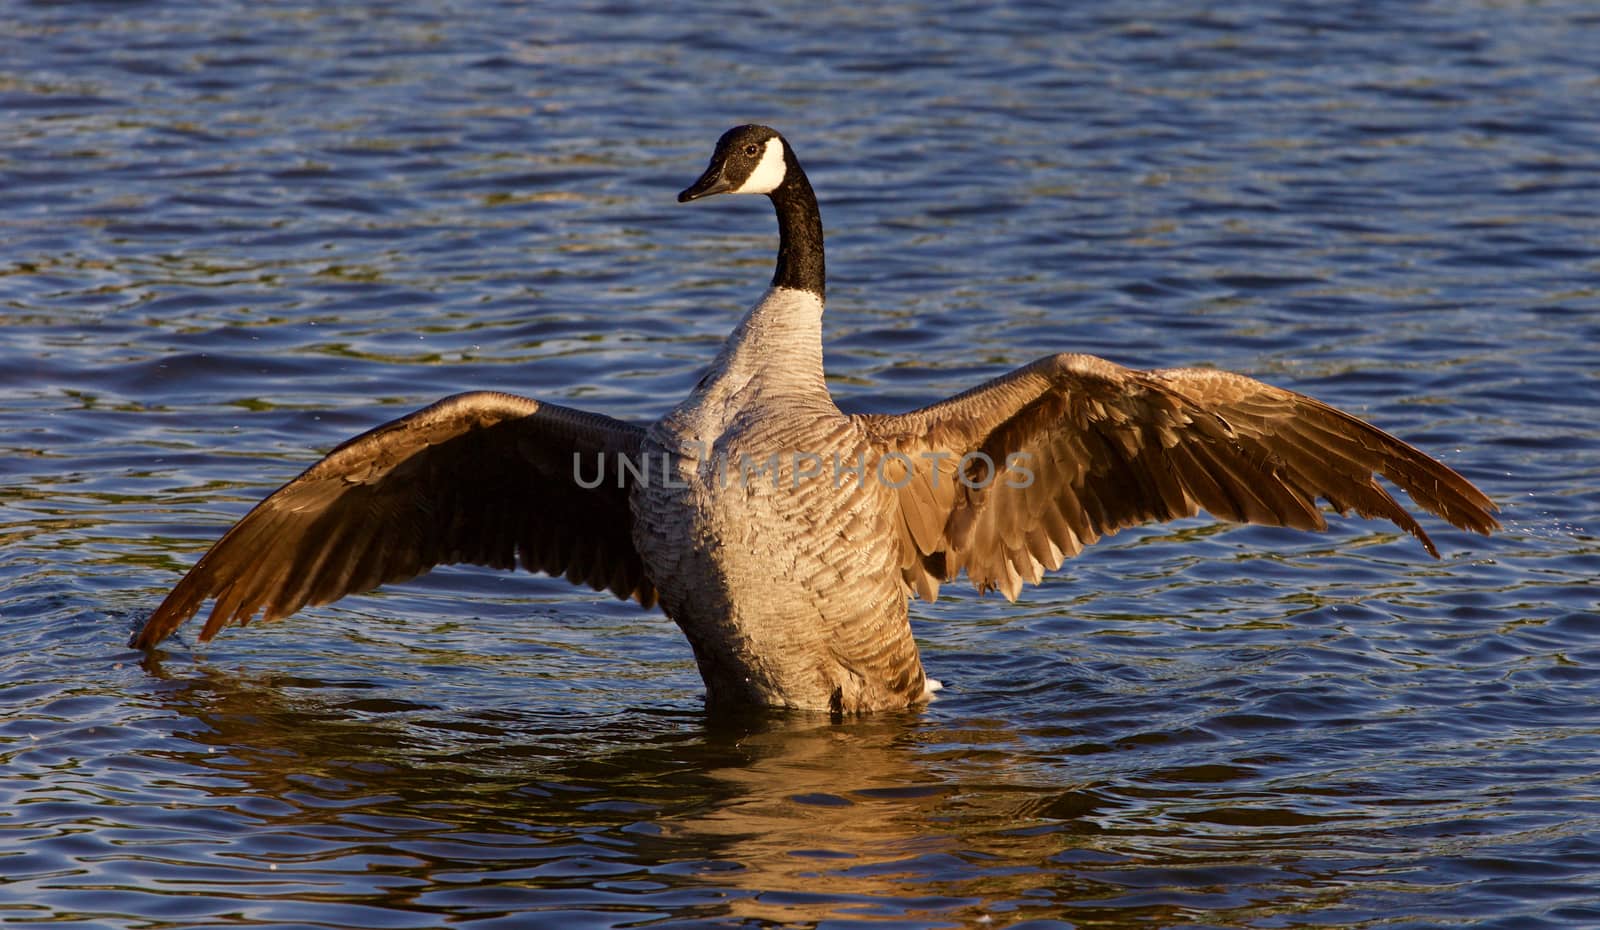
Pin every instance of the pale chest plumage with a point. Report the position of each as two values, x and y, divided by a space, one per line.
771 488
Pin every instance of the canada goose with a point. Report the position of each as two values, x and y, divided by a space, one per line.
782 535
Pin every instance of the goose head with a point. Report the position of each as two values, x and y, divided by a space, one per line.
748 160
757 160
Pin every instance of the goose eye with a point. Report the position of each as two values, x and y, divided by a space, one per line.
751 149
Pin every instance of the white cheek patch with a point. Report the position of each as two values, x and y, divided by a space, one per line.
769 172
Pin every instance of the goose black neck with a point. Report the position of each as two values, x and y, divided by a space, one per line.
800 261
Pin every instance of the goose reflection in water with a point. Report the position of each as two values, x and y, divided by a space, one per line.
745 817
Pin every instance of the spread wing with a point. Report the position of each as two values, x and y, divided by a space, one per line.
1010 478
482 478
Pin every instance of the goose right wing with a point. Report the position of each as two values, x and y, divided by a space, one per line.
480 478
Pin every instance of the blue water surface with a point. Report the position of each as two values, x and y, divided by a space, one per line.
234 234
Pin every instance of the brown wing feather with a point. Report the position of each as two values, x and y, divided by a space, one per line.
479 478
1108 447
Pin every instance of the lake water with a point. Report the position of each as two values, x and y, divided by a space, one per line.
234 234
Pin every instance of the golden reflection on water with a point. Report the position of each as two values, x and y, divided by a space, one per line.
813 808
788 819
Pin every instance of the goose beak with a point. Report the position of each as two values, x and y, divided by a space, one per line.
712 182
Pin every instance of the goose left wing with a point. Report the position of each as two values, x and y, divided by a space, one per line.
480 478
1010 478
